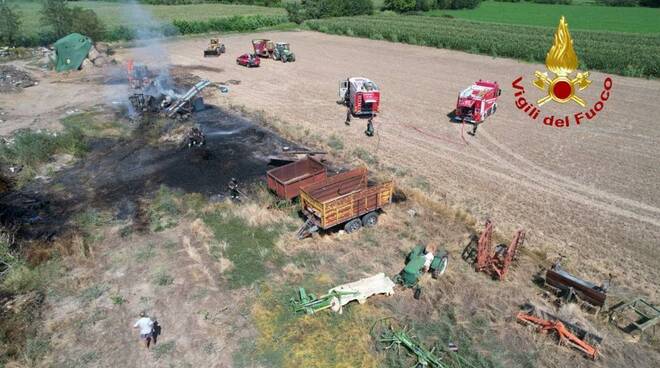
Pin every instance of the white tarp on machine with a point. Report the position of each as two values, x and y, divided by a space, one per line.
362 289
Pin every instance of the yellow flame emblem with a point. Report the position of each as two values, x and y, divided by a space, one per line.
562 61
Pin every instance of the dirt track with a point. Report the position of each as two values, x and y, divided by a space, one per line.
592 187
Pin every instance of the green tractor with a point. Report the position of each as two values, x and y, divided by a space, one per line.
281 51
416 265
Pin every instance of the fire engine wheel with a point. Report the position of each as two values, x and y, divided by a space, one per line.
353 225
440 270
370 219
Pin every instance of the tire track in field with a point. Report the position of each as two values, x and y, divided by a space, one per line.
569 183
533 182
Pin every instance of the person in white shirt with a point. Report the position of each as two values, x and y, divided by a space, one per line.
428 256
145 324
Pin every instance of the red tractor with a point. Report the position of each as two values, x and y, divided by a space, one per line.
477 102
249 60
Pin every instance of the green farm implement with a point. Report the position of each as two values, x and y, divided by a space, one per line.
341 295
309 303
389 337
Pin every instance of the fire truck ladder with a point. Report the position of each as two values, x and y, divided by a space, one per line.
187 97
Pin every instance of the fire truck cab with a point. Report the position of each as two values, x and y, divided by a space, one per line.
360 95
477 102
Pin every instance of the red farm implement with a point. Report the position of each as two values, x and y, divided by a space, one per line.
497 262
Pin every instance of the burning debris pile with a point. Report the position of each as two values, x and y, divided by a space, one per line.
154 93
13 80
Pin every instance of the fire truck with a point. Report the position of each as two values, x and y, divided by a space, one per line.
360 95
477 102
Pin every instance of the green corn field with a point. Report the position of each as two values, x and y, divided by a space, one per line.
618 53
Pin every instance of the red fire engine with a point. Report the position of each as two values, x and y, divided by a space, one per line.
477 102
360 95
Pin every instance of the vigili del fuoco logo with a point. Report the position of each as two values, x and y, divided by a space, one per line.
561 86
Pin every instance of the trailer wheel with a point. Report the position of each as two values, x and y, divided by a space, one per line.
440 270
370 219
353 225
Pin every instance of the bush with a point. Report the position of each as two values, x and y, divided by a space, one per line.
64 20
465 4
400 6
238 23
10 25
618 2
650 3
562 2
316 9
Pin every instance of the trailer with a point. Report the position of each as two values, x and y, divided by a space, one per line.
360 95
285 181
348 199
263 47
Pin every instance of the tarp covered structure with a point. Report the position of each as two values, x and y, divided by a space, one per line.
71 51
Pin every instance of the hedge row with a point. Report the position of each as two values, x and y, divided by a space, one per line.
238 23
619 53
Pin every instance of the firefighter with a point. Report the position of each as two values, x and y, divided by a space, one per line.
196 137
233 189
370 127
347 102
348 116
474 129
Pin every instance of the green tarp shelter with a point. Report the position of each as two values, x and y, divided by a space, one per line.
70 51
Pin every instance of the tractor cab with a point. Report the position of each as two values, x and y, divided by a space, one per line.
283 52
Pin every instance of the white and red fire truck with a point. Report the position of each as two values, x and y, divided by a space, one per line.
360 95
477 102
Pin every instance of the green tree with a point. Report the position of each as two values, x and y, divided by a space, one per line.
85 21
56 15
400 6
10 24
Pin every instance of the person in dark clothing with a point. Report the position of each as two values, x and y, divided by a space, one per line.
370 127
196 137
233 189
155 331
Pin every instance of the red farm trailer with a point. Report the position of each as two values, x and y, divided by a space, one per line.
286 180
477 102
360 95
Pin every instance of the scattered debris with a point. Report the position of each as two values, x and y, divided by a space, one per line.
188 102
339 296
496 263
13 80
286 180
567 332
635 316
347 198
420 260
